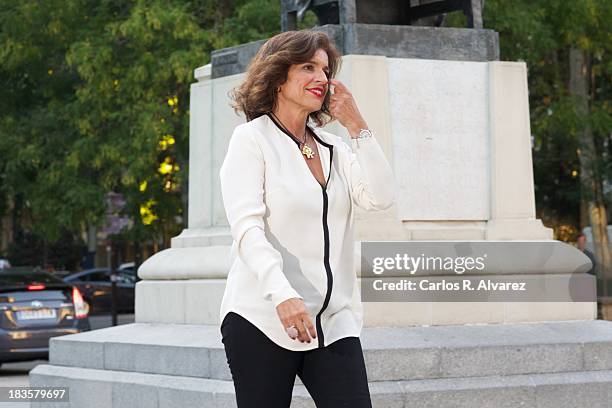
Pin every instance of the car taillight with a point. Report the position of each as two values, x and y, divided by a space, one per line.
36 286
80 307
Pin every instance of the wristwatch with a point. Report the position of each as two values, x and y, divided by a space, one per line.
364 133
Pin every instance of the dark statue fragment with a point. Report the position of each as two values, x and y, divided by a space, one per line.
390 12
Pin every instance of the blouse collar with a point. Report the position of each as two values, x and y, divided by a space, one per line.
315 131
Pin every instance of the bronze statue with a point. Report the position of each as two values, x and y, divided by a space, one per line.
391 12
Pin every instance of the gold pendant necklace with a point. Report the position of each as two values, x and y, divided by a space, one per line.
307 151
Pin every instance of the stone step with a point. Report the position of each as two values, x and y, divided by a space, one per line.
391 354
95 388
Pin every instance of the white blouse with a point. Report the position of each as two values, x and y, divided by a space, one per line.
293 237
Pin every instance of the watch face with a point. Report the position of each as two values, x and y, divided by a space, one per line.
365 133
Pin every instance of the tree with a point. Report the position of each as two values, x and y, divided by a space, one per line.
95 100
566 46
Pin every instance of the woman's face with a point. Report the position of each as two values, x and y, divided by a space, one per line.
306 84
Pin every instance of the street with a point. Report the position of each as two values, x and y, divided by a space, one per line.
16 374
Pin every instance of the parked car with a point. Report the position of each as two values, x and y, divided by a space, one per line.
131 268
127 266
35 306
4 264
62 273
95 285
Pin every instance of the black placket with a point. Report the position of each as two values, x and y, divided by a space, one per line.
330 278
328 271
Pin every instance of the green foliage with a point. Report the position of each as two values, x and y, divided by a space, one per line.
541 33
95 98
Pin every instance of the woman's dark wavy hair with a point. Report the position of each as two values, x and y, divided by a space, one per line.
268 70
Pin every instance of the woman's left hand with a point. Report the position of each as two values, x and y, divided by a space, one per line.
342 106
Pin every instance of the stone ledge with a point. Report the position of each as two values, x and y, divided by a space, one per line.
505 257
391 353
394 41
100 388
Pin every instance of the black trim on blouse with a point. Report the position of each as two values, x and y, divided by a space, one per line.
298 143
328 271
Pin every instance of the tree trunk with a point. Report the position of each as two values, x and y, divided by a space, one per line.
45 255
591 182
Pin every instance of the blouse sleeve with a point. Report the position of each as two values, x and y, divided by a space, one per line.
371 180
242 189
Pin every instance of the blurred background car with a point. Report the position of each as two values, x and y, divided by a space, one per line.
95 285
61 273
127 266
35 306
4 264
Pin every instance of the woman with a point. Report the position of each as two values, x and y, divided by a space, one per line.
292 303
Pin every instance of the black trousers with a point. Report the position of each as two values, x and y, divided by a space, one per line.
264 373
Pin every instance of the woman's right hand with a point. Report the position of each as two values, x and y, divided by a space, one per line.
293 312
